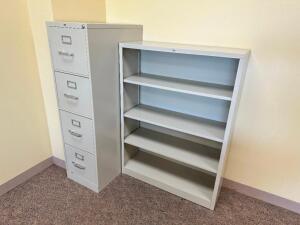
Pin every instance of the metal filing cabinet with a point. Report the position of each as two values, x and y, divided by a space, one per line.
85 65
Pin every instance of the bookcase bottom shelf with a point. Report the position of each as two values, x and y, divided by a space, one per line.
176 179
175 149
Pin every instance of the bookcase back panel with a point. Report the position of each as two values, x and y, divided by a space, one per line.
215 70
184 103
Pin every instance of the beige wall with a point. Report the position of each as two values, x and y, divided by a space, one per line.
79 10
265 152
24 138
39 13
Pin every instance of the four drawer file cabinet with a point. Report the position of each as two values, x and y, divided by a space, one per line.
85 65
177 109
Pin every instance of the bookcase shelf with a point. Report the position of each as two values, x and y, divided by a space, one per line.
184 86
177 102
204 128
175 149
190 184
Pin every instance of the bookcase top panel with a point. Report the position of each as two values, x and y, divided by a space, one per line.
188 49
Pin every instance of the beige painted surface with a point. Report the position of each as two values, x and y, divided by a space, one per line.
24 138
79 10
39 13
265 152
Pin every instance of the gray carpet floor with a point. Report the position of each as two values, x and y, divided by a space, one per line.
51 198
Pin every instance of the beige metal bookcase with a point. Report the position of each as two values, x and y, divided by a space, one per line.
178 104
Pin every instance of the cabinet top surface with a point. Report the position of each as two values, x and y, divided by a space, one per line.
90 25
188 49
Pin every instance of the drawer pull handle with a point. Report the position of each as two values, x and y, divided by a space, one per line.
66 54
75 134
78 166
79 156
71 97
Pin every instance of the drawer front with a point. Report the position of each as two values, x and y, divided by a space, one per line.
69 50
81 166
78 131
74 94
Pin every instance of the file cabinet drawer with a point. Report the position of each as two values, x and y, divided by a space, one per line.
74 94
81 166
78 131
69 50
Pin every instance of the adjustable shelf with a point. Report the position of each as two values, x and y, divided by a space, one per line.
179 150
184 86
204 128
178 104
